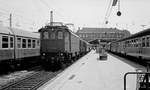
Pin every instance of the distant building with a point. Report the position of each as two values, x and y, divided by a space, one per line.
102 35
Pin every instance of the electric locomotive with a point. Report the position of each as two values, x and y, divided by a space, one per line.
60 46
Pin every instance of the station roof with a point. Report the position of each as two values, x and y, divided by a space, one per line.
98 30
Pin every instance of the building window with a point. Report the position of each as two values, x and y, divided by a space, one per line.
60 35
4 41
33 43
24 43
29 43
11 42
18 42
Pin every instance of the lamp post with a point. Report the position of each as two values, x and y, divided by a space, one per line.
99 41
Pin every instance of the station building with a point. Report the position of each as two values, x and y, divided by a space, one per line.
102 35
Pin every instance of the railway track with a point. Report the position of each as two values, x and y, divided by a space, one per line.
143 62
32 82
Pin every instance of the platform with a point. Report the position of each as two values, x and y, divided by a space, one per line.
89 73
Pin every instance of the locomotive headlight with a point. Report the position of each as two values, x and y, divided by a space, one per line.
61 54
43 54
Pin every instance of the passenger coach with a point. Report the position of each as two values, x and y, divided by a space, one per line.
16 47
137 45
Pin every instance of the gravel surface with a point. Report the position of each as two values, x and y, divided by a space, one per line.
6 79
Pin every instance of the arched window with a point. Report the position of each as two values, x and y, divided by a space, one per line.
60 35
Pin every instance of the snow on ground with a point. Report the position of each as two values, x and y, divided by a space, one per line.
89 73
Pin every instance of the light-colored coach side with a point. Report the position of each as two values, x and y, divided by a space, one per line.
13 48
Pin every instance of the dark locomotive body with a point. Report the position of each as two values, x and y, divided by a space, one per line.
60 46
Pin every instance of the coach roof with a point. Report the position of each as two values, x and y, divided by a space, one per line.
18 32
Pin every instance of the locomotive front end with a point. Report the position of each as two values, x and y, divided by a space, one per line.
52 46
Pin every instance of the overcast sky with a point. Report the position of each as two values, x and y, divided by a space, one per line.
82 13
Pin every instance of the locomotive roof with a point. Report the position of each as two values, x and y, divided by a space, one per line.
60 27
54 27
77 36
18 32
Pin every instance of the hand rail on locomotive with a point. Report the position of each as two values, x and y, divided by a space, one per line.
144 82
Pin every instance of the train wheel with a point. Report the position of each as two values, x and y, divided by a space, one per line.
140 58
4 68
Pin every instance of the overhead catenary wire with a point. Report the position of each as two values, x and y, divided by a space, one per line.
17 18
53 9
109 10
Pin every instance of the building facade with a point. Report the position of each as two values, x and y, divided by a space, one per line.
103 35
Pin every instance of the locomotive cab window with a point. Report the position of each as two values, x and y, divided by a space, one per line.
11 42
45 35
4 41
53 35
60 35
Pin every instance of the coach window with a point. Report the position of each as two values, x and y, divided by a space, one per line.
33 43
18 42
11 42
143 42
60 35
4 41
147 42
23 43
136 42
29 43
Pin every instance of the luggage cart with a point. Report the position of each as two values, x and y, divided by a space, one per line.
102 54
